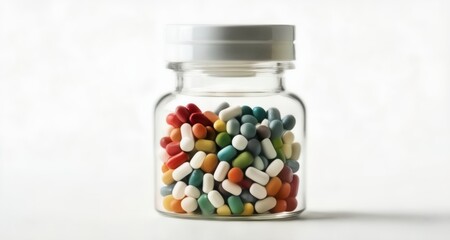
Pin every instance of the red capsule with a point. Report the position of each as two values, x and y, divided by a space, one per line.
173 148
286 174
182 114
200 118
173 120
193 108
164 141
245 183
177 160
294 186
291 204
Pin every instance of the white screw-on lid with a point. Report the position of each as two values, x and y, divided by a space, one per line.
230 43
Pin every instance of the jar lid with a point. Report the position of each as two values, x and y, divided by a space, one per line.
230 43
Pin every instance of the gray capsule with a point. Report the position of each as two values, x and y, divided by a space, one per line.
264 162
221 107
248 130
167 190
249 119
254 146
294 165
247 197
288 122
233 127
276 128
263 131
273 114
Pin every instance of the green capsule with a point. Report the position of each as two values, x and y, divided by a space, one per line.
243 160
196 178
227 153
223 139
280 154
277 143
205 205
235 204
259 113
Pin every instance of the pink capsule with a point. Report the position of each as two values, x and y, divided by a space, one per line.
173 148
164 141
177 160
286 174
182 114
193 108
173 120
200 118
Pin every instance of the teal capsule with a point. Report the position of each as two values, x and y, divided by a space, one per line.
288 122
259 113
246 110
243 160
249 119
280 154
167 190
223 139
227 153
205 205
254 146
277 143
233 126
273 114
276 128
294 165
235 204
196 178
248 130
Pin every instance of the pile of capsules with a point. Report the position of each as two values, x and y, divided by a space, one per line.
236 160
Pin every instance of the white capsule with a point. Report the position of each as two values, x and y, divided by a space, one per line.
258 191
189 204
208 182
230 112
232 188
265 205
239 142
178 190
275 167
267 149
287 150
216 199
221 171
197 160
265 122
192 191
187 138
257 175
182 171
296 150
288 137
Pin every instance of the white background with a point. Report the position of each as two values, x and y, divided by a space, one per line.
79 79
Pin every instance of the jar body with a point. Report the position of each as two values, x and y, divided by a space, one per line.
181 189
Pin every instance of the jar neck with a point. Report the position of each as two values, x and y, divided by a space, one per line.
230 77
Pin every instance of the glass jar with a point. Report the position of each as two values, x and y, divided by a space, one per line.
228 140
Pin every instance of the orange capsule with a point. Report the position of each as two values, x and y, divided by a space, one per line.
164 168
273 186
175 205
284 192
210 163
235 175
281 206
175 135
211 116
199 131
167 178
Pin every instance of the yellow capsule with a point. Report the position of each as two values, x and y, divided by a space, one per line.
204 145
248 209
167 177
220 126
224 210
167 201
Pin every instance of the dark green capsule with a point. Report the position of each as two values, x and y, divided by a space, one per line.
288 122
246 110
259 113
196 178
205 205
